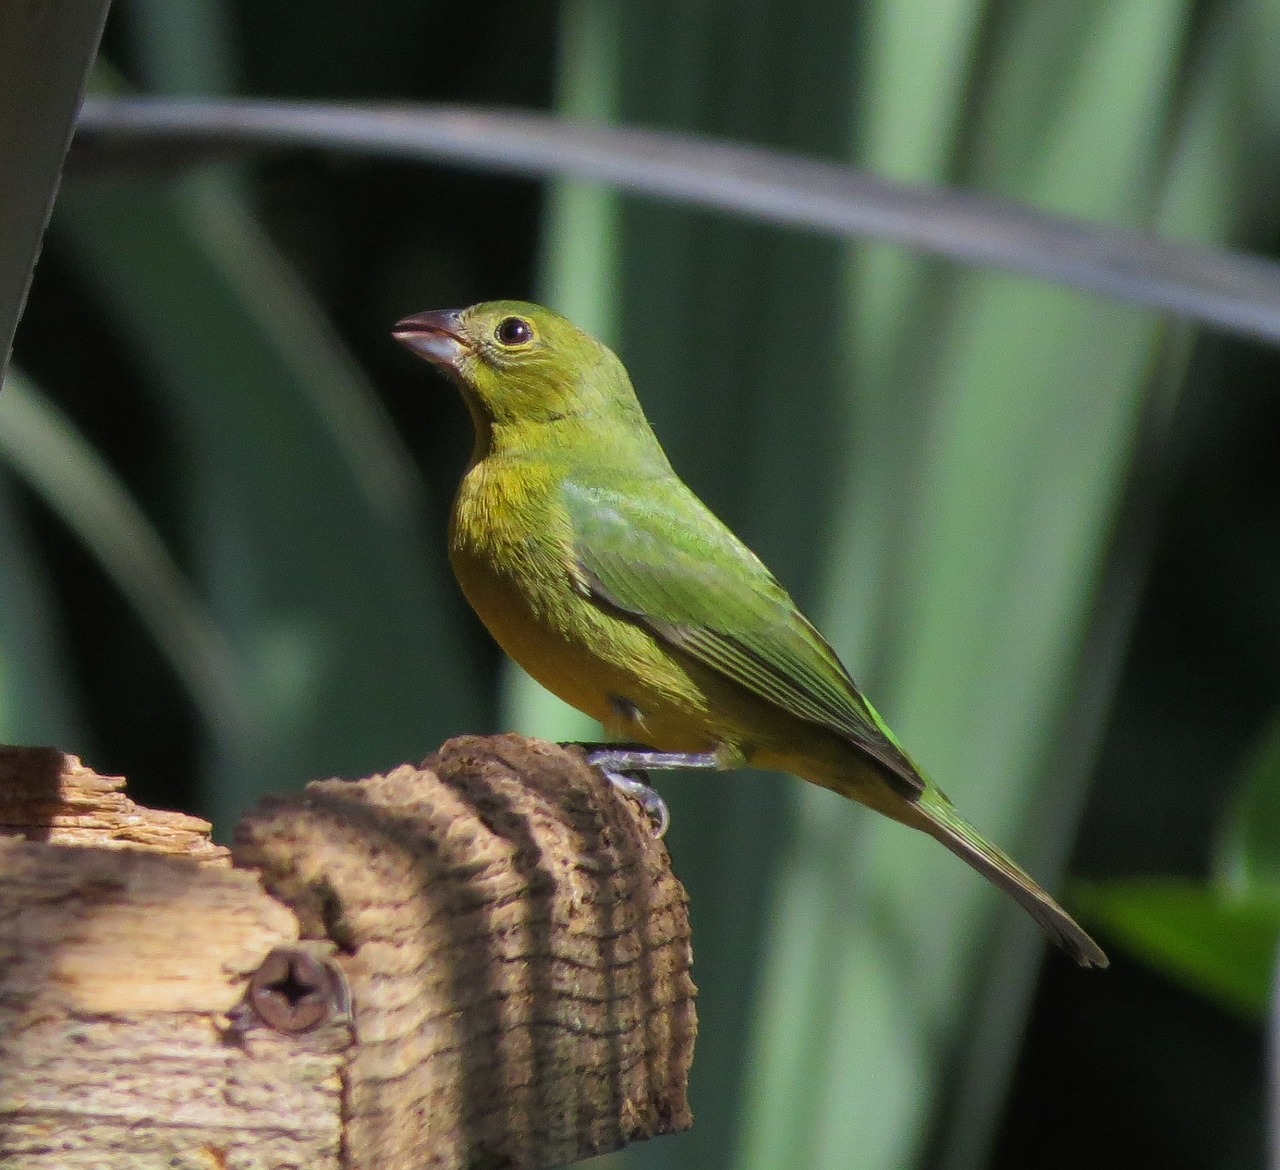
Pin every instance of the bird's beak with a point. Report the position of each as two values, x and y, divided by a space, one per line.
438 336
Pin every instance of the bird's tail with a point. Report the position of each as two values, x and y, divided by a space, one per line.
938 818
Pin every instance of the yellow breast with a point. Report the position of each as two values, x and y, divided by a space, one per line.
511 550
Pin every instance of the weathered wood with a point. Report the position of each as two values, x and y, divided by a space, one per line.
48 796
126 942
515 949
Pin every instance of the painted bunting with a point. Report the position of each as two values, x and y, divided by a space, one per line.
614 586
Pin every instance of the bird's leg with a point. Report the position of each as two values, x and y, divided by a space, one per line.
626 765
626 757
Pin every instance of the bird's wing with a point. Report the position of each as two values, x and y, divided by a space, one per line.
666 562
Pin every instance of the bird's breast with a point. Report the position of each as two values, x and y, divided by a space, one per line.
511 547
507 545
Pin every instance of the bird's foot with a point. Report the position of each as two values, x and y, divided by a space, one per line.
623 763
650 799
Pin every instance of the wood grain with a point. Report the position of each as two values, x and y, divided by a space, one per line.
514 945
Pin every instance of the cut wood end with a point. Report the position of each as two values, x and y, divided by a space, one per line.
517 948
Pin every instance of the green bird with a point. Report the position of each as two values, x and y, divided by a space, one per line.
613 585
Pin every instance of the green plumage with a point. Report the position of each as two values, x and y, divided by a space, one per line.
603 575
711 597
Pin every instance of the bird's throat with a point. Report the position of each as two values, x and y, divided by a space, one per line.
482 426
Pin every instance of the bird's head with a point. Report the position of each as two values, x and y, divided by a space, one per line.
519 365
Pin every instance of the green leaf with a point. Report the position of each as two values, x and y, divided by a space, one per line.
1210 941
60 466
989 427
1247 859
37 702
45 53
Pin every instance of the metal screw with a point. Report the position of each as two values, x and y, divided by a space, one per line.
293 991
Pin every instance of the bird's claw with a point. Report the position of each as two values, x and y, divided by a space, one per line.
649 799
623 762
618 762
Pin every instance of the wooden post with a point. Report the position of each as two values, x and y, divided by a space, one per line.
483 961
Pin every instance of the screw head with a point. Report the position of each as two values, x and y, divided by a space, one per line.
293 991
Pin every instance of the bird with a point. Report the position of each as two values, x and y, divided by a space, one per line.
608 580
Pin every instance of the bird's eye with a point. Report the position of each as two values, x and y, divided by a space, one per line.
513 331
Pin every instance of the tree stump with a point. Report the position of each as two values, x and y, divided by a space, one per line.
482 961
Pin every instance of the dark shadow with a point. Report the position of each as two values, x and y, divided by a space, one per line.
30 791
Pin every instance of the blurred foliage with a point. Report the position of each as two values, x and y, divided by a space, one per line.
1218 937
45 56
1247 857
1044 529
1218 943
